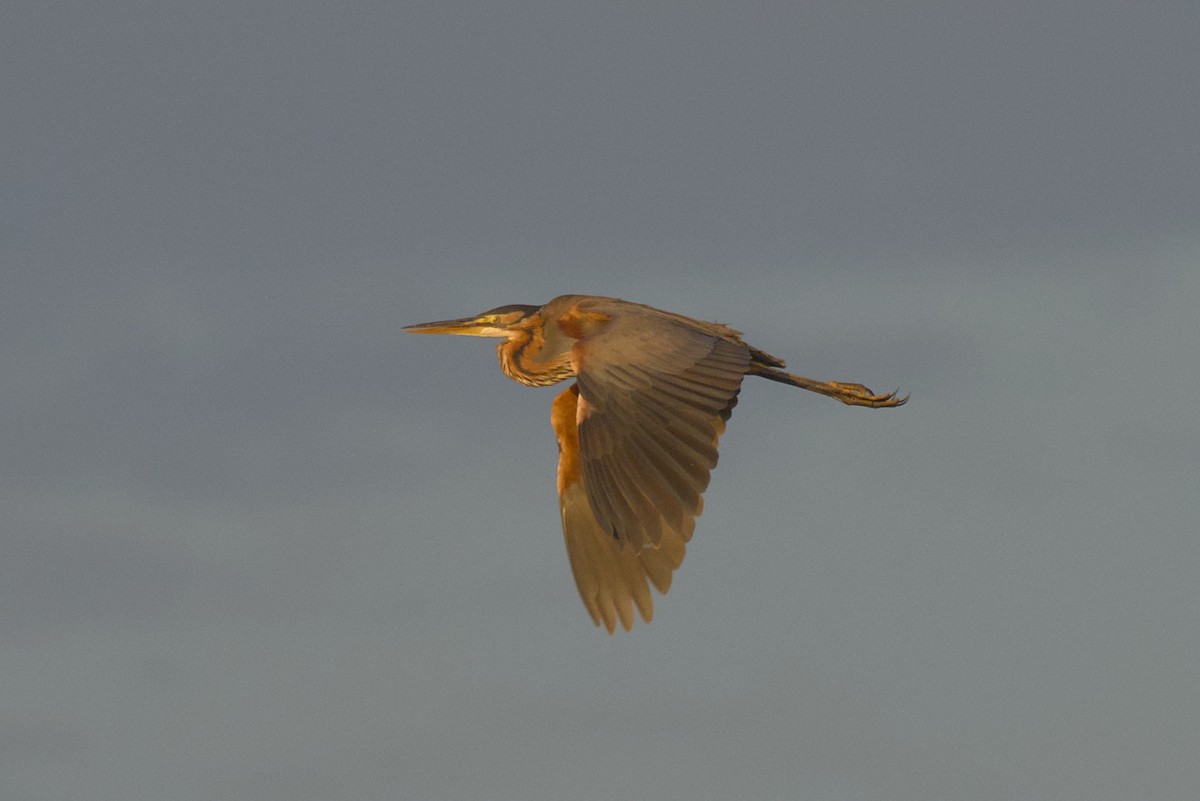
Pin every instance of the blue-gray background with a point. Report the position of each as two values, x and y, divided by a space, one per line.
258 543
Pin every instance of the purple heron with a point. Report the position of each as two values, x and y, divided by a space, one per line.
637 431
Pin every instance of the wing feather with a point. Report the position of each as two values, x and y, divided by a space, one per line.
654 392
637 441
614 582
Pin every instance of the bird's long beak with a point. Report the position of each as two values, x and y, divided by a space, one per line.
465 327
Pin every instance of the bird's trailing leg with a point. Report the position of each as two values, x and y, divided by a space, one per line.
851 394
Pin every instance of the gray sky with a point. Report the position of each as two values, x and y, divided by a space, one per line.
259 544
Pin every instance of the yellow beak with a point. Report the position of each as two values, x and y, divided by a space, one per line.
463 327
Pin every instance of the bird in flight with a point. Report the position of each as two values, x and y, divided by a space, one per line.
637 431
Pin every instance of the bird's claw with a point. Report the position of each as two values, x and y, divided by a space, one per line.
859 395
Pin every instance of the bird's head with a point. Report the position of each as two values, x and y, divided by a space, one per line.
502 321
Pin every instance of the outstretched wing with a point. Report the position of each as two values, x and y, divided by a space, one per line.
655 391
612 580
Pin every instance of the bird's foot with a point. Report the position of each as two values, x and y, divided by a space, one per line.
858 395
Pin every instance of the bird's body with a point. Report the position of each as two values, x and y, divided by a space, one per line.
637 433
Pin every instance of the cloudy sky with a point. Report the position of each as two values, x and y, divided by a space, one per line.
260 544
